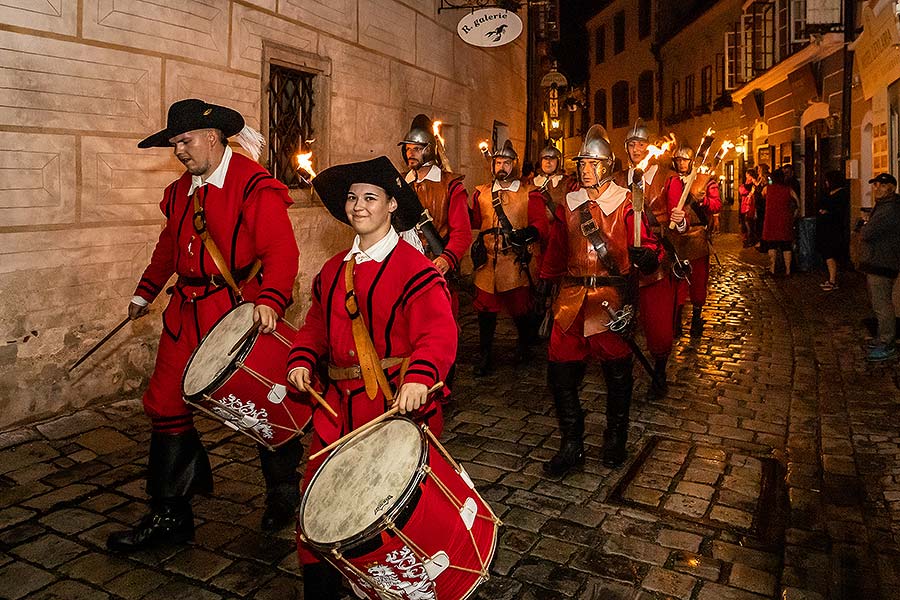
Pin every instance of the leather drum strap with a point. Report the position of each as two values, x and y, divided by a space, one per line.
369 361
199 223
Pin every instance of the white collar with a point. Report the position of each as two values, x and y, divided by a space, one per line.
218 176
513 187
611 198
434 174
649 174
378 252
554 179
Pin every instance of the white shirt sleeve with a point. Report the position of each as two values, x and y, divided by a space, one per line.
139 301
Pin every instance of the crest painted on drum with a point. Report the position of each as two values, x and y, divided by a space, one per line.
402 574
240 415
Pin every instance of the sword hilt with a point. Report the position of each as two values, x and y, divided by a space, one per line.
619 319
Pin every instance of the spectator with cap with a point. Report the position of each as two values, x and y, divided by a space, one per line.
879 259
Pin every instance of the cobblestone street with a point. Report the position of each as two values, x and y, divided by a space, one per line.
771 470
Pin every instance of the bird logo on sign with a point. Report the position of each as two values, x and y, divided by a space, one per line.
496 35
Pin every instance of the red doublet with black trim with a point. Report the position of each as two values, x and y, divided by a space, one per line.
248 220
406 307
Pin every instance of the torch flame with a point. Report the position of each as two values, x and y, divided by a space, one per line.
654 151
709 132
304 161
483 146
436 129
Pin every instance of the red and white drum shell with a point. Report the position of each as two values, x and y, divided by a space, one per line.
247 389
398 517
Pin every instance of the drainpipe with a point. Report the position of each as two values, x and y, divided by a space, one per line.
847 89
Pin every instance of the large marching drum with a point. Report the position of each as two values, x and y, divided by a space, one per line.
399 517
237 376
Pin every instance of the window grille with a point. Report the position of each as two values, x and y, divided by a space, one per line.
291 106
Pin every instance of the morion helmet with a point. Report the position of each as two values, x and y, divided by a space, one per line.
596 146
639 132
507 151
684 150
550 151
421 132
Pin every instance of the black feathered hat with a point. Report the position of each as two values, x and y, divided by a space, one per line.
333 183
188 115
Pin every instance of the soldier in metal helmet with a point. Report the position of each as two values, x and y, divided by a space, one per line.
691 238
657 290
591 256
511 220
551 178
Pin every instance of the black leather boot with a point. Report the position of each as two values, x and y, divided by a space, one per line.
619 387
697 322
279 469
178 467
659 387
564 379
527 334
487 324
321 581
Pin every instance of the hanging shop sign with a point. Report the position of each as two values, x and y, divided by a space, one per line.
489 27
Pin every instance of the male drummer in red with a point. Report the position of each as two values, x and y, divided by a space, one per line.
591 256
656 298
244 211
511 220
398 321
691 240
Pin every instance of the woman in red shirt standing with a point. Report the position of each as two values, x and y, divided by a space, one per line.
778 225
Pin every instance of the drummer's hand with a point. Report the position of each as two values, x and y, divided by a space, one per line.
677 216
441 264
266 317
136 311
412 396
300 379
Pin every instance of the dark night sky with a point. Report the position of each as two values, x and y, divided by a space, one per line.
573 47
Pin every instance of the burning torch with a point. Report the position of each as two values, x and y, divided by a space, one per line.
304 164
699 160
440 147
637 182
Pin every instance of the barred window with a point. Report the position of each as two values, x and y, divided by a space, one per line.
291 106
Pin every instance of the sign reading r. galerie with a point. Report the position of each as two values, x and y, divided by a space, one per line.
489 27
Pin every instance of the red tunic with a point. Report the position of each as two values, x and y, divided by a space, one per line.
247 219
778 225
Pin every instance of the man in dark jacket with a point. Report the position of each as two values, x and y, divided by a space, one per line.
879 259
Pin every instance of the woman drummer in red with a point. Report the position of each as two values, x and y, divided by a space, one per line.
397 321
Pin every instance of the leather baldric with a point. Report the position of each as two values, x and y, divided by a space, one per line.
594 235
370 364
199 223
505 224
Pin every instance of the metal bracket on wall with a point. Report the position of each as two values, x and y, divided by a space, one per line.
511 5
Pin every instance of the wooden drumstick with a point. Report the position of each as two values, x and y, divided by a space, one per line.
318 398
366 426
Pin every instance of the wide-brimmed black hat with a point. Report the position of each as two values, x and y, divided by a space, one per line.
188 115
333 183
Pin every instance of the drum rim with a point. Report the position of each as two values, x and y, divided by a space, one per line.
391 514
226 372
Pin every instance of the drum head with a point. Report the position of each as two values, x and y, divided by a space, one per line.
362 480
211 360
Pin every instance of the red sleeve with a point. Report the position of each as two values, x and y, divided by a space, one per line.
713 200
476 210
273 237
433 334
311 342
554 264
458 221
672 192
537 213
162 262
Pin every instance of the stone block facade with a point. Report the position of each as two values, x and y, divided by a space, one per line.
85 81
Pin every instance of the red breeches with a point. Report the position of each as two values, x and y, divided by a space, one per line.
163 401
516 302
656 315
571 345
699 280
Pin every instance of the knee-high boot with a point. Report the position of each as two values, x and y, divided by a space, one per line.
178 467
321 581
487 324
564 379
658 386
279 469
619 387
527 333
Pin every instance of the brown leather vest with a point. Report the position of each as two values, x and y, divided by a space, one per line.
583 261
435 198
501 273
693 243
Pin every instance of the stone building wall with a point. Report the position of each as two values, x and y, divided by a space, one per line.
85 80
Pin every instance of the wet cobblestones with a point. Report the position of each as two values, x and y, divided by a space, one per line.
770 470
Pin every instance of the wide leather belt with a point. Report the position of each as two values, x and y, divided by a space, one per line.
336 373
597 281
216 279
